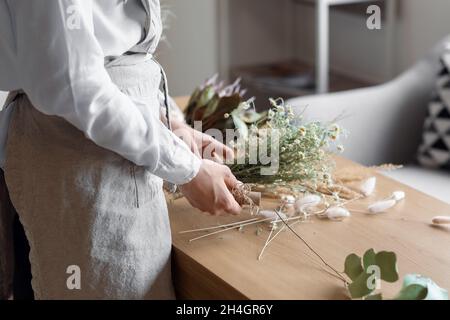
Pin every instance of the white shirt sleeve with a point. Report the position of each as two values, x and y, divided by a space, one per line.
63 74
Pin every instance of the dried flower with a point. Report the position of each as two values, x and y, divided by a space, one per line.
398 195
306 202
337 213
271 214
368 186
381 206
438 220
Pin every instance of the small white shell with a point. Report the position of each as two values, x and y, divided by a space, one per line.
441 220
308 201
271 214
398 195
381 206
337 213
368 186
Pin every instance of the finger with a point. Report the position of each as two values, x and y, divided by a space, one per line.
230 180
232 206
217 159
194 148
225 152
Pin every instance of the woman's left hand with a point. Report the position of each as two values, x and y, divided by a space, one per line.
202 145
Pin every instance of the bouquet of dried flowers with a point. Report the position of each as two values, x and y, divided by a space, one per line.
302 150
274 148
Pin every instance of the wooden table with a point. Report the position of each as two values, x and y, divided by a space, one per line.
226 266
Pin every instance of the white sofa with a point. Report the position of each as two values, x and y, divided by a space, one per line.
2 98
385 122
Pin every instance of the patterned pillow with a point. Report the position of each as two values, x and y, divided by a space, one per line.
434 152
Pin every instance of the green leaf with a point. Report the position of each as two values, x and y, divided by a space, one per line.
211 107
359 288
387 261
369 259
434 292
412 292
377 296
353 268
206 95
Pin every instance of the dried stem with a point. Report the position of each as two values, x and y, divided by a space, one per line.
219 227
267 242
230 228
310 248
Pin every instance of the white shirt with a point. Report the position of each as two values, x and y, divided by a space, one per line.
56 50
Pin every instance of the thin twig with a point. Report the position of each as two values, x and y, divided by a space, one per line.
218 227
230 228
267 242
310 248
312 259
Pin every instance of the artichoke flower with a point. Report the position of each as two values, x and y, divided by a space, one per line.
220 107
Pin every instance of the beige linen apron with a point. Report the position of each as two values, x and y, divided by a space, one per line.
86 208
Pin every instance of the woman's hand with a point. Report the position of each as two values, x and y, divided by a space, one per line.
202 145
210 192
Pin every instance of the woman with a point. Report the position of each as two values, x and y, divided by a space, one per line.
87 149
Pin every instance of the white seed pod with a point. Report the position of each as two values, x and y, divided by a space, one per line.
306 202
441 220
287 198
398 195
272 214
337 213
381 206
368 186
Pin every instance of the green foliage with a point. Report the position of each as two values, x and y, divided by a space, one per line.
362 270
353 266
412 292
434 292
211 101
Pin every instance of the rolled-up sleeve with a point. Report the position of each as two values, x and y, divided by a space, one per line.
61 64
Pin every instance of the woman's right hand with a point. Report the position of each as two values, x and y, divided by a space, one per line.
210 192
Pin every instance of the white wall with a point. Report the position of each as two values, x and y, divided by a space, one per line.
423 24
354 48
190 54
209 36
357 51
260 31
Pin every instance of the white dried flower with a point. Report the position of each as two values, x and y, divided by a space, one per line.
270 214
398 195
287 198
368 186
306 202
337 213
381 206
438 220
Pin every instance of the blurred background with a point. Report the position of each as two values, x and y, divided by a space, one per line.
265 40
272 43
299 48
